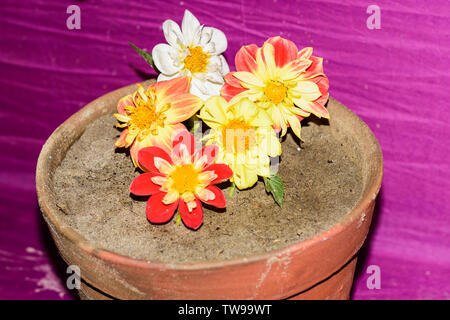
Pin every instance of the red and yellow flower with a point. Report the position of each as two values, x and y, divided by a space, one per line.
180 179
151 117
287 83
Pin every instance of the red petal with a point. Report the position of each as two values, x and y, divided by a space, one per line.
147 158
193 219
143 185
232 80
285 50
222 170
157 211
219 201
228 92
210 152
319 104
186 138
231 87
246 58
315 68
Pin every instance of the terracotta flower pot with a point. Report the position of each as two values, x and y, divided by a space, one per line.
319 268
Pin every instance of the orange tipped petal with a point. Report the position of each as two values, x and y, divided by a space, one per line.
295 68
316 68
318 105
285 50
246 58
125 102
231 87
171 87
182 107
121 142
232 80
305 53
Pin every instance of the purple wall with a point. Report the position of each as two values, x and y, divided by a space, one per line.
394 78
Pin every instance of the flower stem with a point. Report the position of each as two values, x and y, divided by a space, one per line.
178 218
232 187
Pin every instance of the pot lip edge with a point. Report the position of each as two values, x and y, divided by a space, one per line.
78 240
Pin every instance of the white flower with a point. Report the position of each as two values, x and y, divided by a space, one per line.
195 51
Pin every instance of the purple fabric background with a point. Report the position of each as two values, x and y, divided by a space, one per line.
395 78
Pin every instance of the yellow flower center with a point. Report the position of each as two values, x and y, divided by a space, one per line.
185 178
241 135
197 60
275 91
144 115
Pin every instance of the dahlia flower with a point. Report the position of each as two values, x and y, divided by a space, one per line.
287 83
195 51
245 138
151 117
180 179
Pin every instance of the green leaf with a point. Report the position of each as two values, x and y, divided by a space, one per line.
274 185
146 55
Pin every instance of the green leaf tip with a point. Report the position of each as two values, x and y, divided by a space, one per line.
146 55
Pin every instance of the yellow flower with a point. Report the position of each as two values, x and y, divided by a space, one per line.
151 117
245 138
287 83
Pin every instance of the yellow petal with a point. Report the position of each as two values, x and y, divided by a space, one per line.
121 117
294 122
245 109
214 111
306 90
249 78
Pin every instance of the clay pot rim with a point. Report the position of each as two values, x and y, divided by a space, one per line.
44 198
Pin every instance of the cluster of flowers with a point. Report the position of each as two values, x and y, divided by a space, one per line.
274 87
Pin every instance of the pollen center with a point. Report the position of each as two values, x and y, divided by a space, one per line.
238 136
144 115
275 91
197 60
185 178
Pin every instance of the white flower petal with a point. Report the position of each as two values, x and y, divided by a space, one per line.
218 64
165 58
204 89
225 68
205 38
190 27
173 34
215 77
216 38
